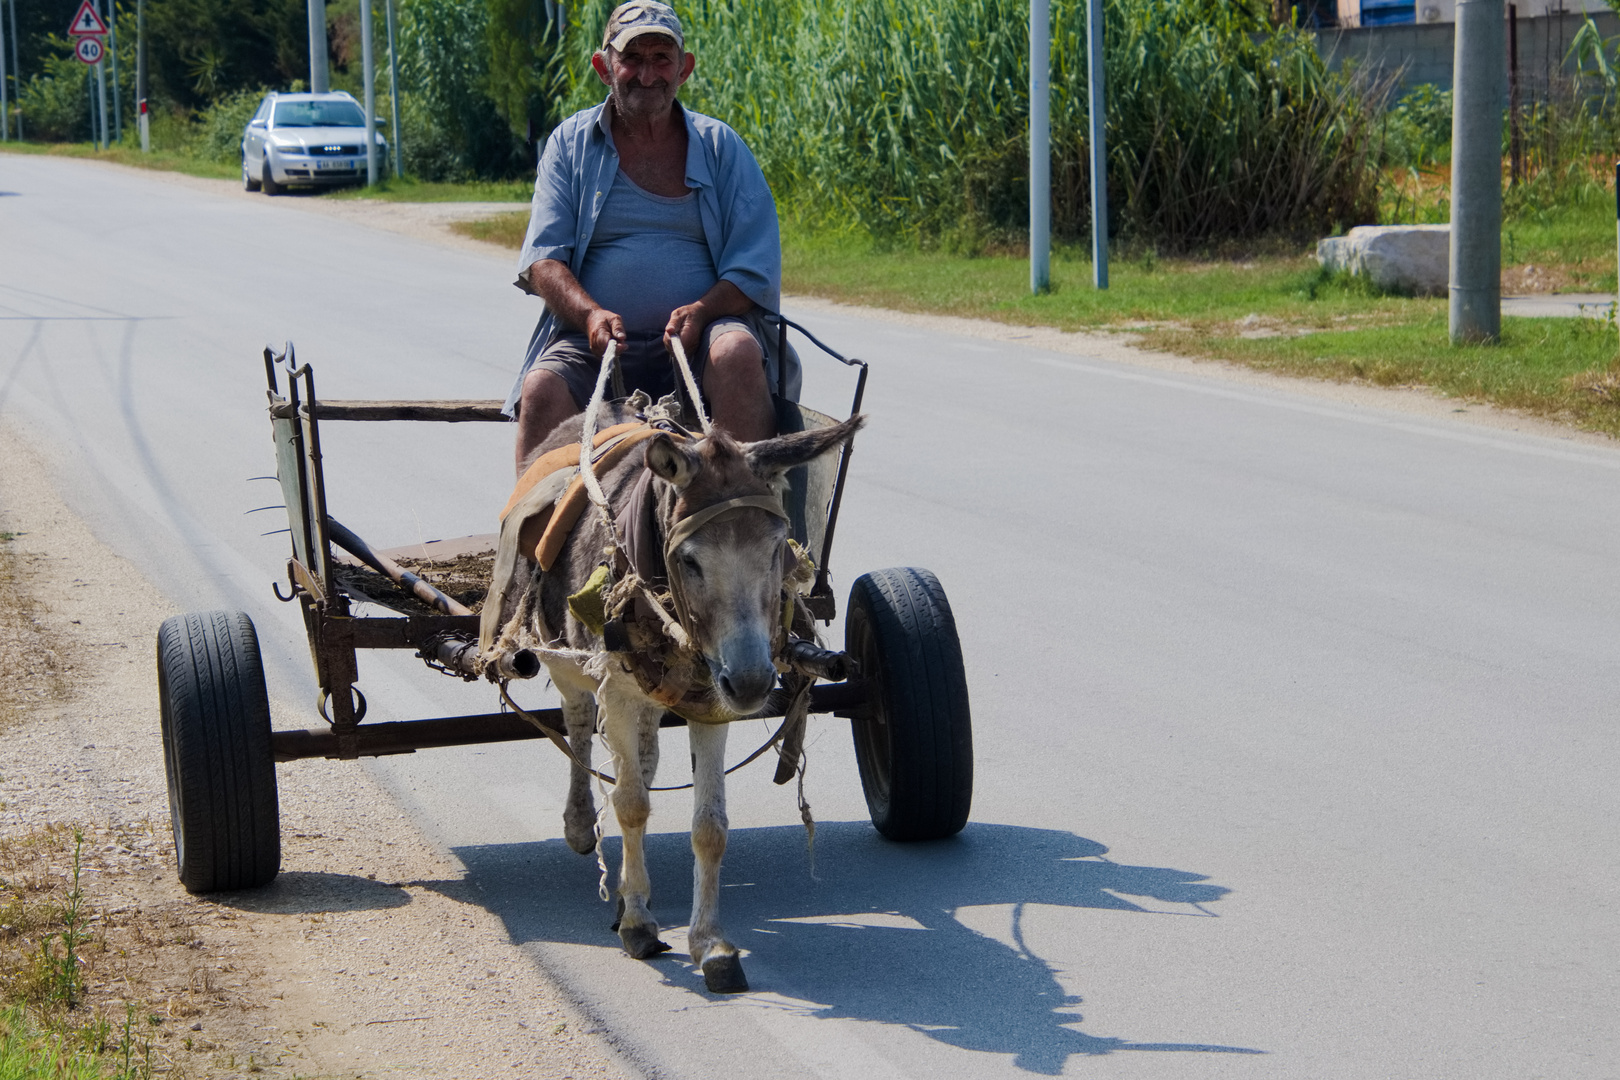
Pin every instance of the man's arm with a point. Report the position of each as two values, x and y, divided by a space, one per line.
688 322
567 299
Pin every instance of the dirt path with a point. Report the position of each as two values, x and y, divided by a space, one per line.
366 957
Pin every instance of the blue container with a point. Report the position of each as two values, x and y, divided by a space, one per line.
1385 14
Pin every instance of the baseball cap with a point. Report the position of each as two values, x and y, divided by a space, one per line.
630 21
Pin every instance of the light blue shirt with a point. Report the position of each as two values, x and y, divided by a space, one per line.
575 175
649 255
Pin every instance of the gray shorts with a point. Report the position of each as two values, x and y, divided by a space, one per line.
643 361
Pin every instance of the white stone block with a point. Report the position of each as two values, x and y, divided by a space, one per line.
1411 259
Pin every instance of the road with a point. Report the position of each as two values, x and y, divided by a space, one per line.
1294 718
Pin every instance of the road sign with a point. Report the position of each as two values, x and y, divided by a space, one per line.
89 50
87 21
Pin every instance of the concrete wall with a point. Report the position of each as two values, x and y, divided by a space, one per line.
1426 49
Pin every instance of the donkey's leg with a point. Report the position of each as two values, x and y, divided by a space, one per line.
722 970
579 814
625 716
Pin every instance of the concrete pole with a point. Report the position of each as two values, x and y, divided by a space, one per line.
101 96
1099 144
1476 172
1040 146
317 47
16 71
394 134
117 92
369 74
5 108
140 76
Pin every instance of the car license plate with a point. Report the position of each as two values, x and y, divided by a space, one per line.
339 164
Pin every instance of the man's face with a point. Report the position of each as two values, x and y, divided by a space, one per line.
645 76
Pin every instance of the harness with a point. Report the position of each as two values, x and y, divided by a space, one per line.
642 627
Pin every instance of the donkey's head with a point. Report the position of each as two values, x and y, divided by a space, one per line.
727 574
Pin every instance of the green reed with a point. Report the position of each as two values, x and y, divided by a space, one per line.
908 117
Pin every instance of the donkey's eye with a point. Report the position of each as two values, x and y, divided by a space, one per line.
690 565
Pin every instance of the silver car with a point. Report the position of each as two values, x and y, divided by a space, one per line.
306 139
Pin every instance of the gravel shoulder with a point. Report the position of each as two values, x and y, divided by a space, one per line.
367 956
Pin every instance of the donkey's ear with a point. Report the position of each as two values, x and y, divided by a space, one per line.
672 461
771 458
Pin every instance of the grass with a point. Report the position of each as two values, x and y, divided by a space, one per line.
392 189
161 160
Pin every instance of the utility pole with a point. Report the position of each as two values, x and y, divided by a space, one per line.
16 72
1099 144
1040 146
370 77
140 76
1476 173
5 110
317 47
118 94
394 134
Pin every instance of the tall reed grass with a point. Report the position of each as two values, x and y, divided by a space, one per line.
910 117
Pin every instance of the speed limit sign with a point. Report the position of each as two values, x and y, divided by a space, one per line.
89 50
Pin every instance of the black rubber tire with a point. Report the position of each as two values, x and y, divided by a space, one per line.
248 183
216 752
915 751
268 181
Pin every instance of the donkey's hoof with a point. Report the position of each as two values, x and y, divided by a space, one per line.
583 843
641 942
724 974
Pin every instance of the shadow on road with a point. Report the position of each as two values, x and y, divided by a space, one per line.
878 940
305 891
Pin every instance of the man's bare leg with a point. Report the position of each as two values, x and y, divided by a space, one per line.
545 403
734 382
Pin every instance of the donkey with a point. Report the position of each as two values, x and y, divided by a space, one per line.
726 578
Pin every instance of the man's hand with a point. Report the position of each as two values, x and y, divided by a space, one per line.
687 323
602 326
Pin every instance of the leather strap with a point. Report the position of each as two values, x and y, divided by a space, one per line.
684 528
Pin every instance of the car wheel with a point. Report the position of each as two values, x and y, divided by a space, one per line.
248 183
268 181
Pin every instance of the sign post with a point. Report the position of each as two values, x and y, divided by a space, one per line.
87 29
140 75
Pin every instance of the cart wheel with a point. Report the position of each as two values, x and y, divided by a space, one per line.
216 752
915 748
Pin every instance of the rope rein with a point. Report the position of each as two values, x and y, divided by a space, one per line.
672 626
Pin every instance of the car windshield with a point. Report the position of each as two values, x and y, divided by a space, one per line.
319 114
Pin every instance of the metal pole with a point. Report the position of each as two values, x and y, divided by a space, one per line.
1515 130
1616 214
394 134
1476 172
1040 146
140 76
1099 144
101 95
117 91
16 71
5 108
370 77
317 47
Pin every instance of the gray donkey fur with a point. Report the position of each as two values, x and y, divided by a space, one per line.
731 573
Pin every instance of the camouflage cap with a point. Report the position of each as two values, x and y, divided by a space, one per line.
630 21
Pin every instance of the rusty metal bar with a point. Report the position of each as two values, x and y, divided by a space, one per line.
408 736
446 411
807 658
409 632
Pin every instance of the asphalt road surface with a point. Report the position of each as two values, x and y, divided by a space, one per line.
1295 720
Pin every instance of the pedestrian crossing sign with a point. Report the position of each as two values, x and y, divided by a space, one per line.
87 21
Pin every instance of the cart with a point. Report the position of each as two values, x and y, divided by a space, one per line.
899 682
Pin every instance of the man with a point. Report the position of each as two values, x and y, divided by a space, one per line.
649 223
